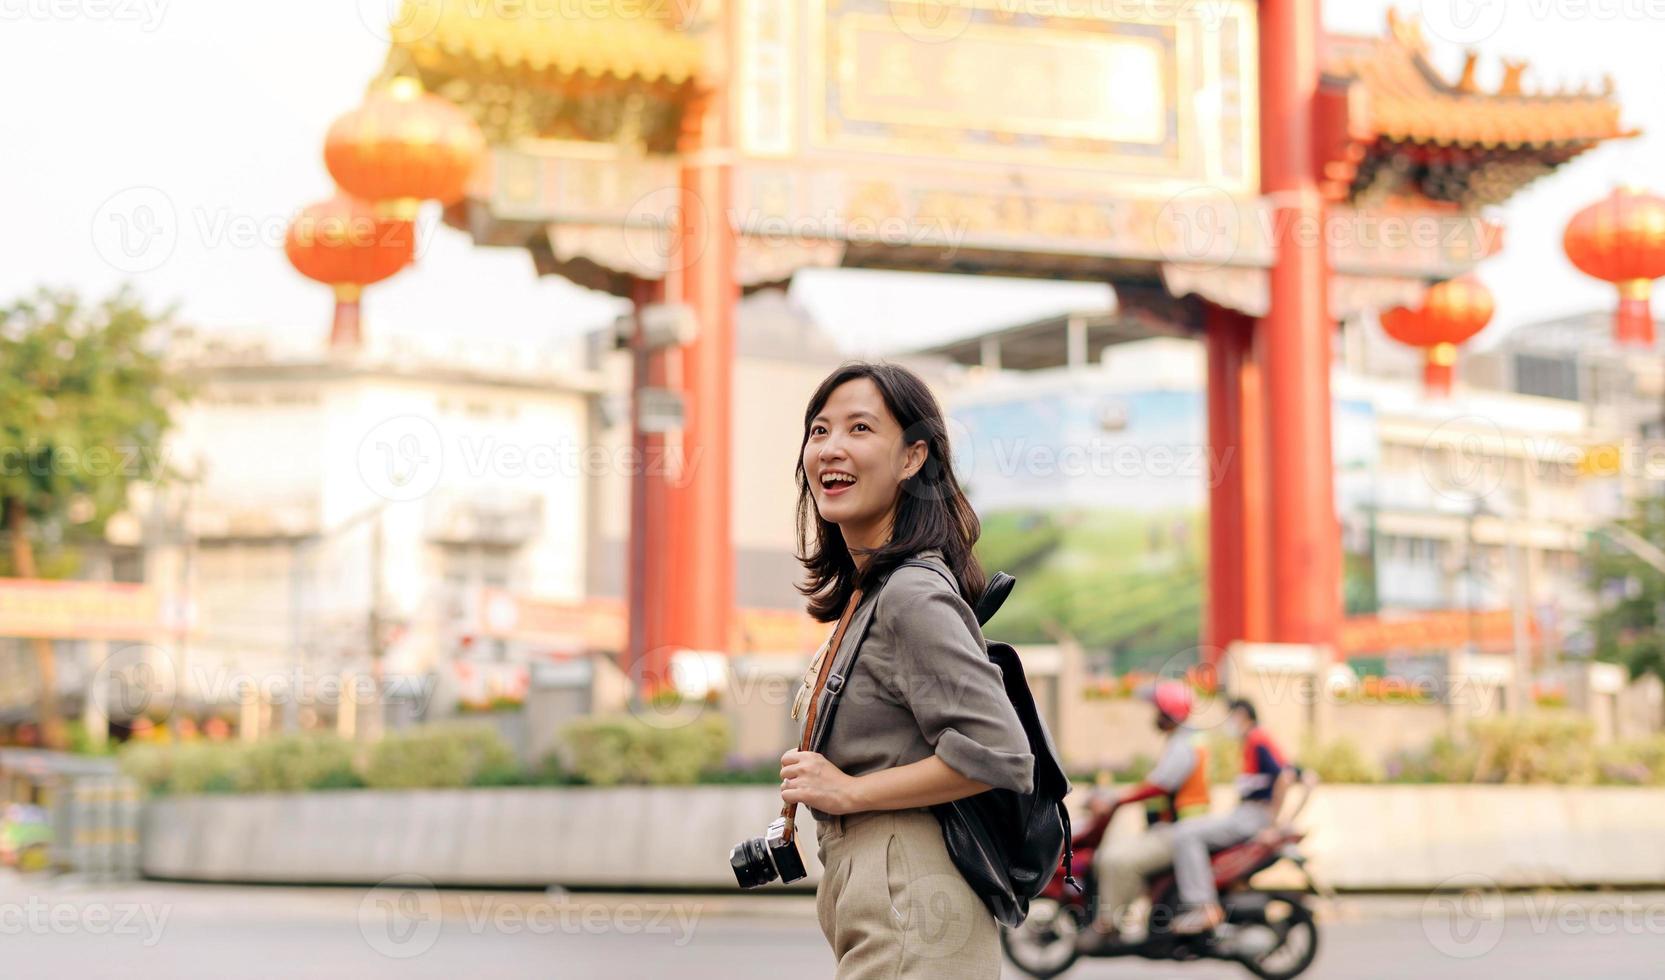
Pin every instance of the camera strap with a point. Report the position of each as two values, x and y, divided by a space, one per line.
789 810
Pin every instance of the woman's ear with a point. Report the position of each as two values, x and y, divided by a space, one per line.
914 459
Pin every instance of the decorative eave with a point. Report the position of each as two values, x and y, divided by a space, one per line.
542 71
1391 124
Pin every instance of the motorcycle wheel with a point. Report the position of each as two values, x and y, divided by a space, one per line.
1288 923
1044 946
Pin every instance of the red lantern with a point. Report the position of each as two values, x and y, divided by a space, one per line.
402 147
345 243
1621 239
1451 313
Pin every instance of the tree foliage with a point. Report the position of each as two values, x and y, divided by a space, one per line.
1630 627
85 399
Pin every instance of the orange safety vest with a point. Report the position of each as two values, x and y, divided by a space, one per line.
1190 800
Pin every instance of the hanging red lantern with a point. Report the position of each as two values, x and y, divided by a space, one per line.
1451 313
1621 239
404 146
345 243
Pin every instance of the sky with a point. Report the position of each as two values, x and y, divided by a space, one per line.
197 126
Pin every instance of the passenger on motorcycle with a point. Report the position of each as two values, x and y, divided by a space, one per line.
1261 788
1175 791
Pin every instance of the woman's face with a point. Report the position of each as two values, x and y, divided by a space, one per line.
856 461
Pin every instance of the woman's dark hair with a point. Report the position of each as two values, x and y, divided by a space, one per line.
931 511
1247 707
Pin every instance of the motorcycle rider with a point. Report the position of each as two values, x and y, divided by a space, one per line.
1261 788
1175 790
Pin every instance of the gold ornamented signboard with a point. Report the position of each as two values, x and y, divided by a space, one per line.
1142 97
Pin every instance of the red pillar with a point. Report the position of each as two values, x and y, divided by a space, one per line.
1227 342
700 553
1237 570
1257 515
1306 572
647 578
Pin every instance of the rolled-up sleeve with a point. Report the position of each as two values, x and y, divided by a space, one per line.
956 694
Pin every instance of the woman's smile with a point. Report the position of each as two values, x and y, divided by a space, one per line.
835 483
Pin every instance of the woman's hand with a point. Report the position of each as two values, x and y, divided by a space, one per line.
808 778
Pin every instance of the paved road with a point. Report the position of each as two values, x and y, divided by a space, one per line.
406 930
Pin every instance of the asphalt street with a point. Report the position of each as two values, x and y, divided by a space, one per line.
402 928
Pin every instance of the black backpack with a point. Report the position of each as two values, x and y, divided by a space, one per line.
1007 845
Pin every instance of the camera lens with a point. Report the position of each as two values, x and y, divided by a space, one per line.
751 863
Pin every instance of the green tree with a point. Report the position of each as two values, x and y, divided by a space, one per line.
1630 628
85 399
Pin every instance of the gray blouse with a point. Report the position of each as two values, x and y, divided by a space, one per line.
922 685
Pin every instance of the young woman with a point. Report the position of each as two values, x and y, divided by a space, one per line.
924 718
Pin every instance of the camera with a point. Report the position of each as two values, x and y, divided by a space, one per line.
761 860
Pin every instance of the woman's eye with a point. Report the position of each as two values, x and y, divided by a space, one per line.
860 426
818 430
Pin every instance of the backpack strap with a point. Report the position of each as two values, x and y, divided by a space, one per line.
994 594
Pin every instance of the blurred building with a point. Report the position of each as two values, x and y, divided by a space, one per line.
339 514
458 515
1453 511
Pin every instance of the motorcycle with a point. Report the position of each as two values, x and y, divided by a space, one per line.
1271 933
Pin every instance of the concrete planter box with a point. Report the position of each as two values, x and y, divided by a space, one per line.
624 837
1364 837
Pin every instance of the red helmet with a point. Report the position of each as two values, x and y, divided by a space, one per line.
1173 699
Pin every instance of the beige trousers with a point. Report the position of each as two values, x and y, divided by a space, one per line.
1122 869
892 904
